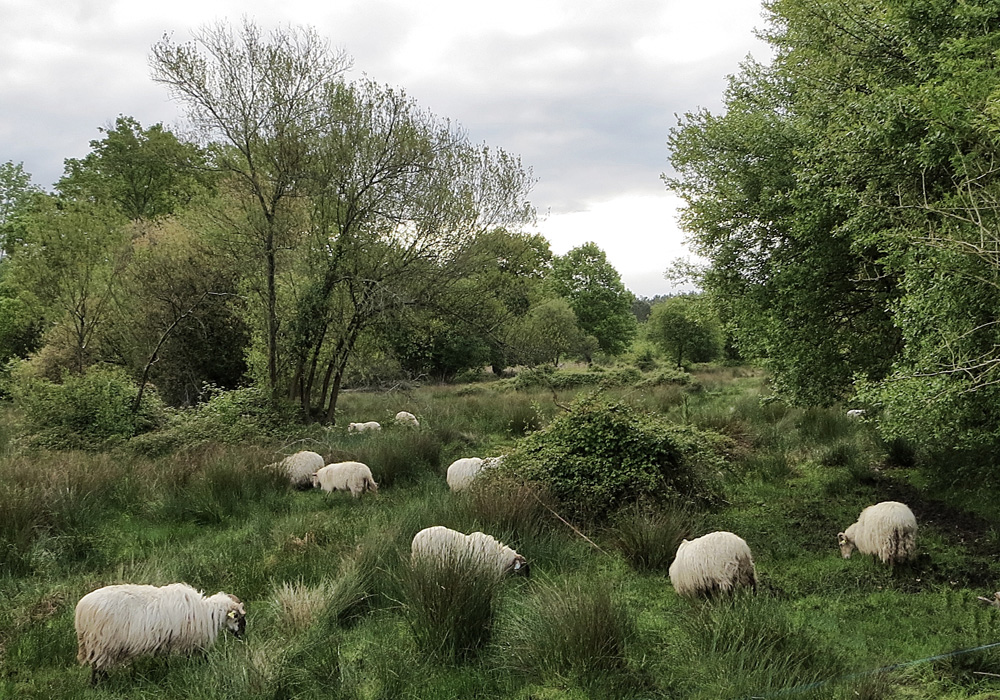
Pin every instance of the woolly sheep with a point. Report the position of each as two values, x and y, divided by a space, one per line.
407 418
363 427
118 623
718 561
443 544
345 476
301 466
462 472
856 413
887 530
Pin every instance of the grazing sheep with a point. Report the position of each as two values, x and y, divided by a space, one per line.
856 413
718 561
888 530
300 467
443 544
363 427
406 418
116 624
462 472
345 476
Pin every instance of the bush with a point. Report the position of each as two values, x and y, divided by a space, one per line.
602 455
90 411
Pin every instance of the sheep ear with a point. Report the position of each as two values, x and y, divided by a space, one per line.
841 538
517 566
231 614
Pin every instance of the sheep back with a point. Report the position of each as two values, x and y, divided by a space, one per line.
407 418
443 544
355 477
887 530
117 623
300 467
716 562
462 472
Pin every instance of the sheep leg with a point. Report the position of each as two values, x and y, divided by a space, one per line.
97 675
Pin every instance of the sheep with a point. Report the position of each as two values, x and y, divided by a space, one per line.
887 530
716 562
116 624
442 544
462 472
406 418
345 476
855 413
301 466
363 427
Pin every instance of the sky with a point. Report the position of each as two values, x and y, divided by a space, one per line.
584 91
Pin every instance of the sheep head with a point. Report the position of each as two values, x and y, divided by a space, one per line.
846 545
521 567
236 617
315 480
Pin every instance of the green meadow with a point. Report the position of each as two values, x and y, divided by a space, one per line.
336 610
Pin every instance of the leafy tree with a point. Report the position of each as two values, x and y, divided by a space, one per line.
16 196
685 327
549 331
595 291
146 173
263 97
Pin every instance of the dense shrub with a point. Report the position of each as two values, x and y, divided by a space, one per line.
604 454
90 411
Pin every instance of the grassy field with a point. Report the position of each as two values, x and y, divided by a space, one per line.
335 610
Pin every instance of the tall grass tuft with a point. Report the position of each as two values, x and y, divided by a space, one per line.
755 648
398 456
450 605
502 504
648 538
571 629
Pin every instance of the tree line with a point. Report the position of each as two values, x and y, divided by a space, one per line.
308 231
846 200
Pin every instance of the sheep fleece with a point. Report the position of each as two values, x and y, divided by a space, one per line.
887 529
346 476
301 466
117 623
718 561
445 544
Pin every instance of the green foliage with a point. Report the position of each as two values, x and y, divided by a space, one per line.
89 411
146 173
603 454
595 291
547 332
686 328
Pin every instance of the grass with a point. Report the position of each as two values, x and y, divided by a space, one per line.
336 609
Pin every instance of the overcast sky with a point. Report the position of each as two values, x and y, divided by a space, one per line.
585 91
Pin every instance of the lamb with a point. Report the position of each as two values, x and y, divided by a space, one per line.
887 530
301 466
462 472
345 476
442 544
116 624
716 562
406 418
856 413
363 427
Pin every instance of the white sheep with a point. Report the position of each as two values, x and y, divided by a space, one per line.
345 476
363 427
443 544
462 472
716 562
116 624
407 418
300 467
887 530
856 413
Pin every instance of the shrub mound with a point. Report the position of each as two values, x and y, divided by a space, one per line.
604 454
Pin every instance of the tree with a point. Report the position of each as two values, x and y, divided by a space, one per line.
549 331
594 290
264 97
146 173
16 196
685 327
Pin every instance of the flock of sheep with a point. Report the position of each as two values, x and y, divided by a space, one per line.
117 623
